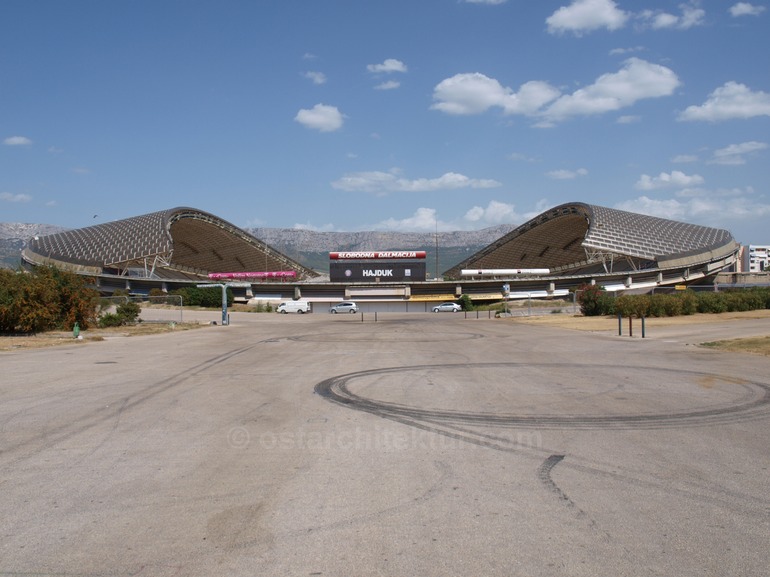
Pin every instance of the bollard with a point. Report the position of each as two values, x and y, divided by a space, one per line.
642 326
620 325
631 326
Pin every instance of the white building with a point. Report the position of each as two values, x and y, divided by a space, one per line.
756 258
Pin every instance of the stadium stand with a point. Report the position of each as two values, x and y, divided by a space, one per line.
576 242
176 244
580 239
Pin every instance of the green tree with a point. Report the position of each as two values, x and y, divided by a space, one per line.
44 299
592 299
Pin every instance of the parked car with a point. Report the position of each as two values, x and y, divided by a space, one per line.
447 308
300 307
344 307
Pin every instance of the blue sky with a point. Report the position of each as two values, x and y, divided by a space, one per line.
399 115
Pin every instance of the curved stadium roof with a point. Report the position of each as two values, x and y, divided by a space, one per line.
175 243
577 238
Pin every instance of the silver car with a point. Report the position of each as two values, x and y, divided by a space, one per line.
447 308
344 307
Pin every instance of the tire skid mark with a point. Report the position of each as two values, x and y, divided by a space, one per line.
66 431
461 427
544 475
756 406
712 494
384 338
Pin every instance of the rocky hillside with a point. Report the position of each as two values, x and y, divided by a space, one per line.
13 237
309 247
303 240
22 231
312 248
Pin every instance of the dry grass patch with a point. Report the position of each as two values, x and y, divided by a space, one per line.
606 323
56 338
755 345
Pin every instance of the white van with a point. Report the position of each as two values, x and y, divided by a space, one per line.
300 307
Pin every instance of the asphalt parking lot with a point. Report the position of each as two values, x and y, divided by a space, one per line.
420 444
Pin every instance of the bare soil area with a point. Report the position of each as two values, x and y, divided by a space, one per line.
56 338
579 322
759 345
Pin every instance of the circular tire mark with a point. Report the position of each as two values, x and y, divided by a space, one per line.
337 389
395 337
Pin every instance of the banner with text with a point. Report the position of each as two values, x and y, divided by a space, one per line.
371 272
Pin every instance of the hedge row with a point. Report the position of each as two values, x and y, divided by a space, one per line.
46 299
595 301
209 297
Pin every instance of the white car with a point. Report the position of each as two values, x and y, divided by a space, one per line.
300 307
447 308
344 307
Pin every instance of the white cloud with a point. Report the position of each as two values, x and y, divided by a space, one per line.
316 77
566 174
729 101
384 182
496 212
8 197
637 80
684 158
426 219
745 9
389 85
692 15
490 2
520 157
586 16
676 178
17 141
321 117
329 227
665 208
474 93
717 208
423 220
623 51
735 154
628 119
388 66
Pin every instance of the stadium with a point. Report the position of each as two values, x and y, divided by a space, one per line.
550 255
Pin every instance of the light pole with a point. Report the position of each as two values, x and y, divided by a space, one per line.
436 220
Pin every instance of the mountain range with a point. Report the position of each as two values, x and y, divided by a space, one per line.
311 248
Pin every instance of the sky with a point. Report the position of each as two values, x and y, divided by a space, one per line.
393 115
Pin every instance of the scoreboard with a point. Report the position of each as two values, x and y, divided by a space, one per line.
377 266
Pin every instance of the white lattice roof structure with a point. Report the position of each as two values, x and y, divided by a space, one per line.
175 243
577 238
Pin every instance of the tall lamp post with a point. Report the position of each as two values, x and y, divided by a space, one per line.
436 277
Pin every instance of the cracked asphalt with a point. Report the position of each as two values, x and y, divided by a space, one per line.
420 444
